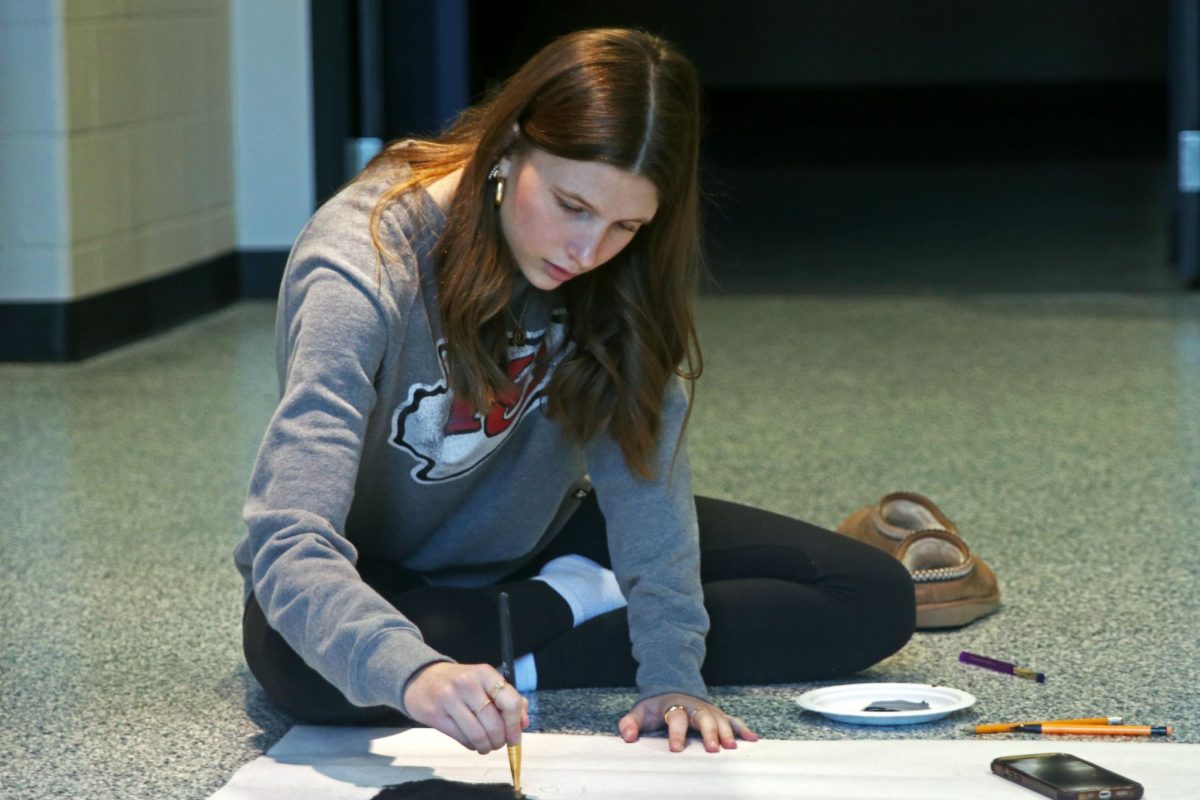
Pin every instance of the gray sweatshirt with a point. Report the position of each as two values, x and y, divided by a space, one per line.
368 453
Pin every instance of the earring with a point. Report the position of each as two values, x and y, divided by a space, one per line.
495 175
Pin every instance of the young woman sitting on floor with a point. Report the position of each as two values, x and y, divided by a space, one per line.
485 347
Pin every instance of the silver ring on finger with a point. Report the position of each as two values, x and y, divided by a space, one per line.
692 716
497 688
482 707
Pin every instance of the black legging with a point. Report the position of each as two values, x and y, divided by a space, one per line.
787 602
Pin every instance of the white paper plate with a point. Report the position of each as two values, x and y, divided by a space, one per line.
846 703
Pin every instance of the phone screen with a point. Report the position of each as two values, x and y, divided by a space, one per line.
1066 776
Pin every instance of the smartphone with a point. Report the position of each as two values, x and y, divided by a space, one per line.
1066 777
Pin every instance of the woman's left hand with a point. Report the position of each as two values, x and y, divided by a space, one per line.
682 712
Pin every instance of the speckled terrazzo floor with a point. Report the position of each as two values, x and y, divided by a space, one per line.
1060 431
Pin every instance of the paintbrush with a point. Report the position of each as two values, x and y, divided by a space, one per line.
506 671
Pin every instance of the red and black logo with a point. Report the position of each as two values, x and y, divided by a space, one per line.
447 437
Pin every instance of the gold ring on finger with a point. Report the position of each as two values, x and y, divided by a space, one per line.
497 688
667 713
482 707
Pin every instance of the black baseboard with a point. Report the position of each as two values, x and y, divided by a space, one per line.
77 329
260 273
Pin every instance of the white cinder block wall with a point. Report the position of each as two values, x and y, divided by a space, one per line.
117 138
273 128
115 143
149 138
34 251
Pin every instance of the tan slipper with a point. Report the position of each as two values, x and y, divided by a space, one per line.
890 521
953 587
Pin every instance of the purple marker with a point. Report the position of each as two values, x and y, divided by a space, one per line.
1000 666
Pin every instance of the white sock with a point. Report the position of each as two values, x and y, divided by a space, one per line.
589 589
525 673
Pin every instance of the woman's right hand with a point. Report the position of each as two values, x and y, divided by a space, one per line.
470 703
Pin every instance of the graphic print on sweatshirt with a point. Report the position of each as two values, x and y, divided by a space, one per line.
447 438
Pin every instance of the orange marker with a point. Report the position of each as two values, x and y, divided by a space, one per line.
1009 727
1099 730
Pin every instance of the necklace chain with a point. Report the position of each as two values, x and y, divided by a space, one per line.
518 333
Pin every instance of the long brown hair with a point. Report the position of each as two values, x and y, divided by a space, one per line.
621 97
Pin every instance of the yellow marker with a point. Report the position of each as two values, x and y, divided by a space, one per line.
1099 730
1010 727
